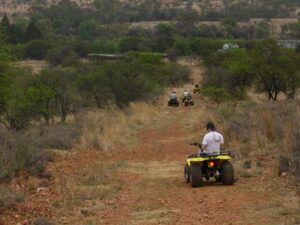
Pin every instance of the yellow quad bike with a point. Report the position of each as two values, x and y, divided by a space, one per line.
199 166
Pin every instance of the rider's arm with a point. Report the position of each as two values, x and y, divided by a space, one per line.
205 142
222 139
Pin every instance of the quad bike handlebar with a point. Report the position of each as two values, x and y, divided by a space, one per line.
198 145
224 152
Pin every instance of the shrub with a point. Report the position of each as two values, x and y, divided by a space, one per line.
37 49
64 56
130 44
62 136
216 94
9 197
19 151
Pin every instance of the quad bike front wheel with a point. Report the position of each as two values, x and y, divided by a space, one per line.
187 174
196 175
227 173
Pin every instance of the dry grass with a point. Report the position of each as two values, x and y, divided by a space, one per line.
158 216
112 127
257 131
8 197
33 65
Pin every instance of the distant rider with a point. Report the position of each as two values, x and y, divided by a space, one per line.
212 140
173 95
185 94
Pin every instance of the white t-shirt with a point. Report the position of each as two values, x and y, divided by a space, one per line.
173 96
213 140
185 94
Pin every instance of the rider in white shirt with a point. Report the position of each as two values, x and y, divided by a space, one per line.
185 93
212 140
173 95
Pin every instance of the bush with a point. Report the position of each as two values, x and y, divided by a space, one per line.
265 129
216 94
130 44
64 56
19 151
61 136
37 49
9 197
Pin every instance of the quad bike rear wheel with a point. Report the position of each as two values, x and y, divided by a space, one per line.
187 174
227 173
196 175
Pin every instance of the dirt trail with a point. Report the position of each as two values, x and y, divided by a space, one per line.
145 185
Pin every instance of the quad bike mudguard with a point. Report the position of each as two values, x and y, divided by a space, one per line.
201 159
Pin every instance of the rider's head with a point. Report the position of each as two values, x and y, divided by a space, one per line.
210 126
174 92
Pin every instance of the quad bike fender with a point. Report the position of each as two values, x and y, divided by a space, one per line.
199 160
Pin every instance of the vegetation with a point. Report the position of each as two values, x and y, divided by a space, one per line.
272 69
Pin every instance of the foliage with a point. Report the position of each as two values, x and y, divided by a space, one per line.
64 56
216 94
37 49
87 29
275 67
32 32
272 68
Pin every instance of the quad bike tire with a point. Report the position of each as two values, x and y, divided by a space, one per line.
196 176
187 174
227 173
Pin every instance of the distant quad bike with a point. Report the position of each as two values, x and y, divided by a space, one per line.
197 89
199 166
188 101
173 103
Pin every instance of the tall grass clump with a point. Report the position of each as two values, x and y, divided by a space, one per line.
264 130
111 127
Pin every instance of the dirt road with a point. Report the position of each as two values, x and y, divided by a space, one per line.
145 184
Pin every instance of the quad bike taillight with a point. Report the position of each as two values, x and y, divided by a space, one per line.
211 164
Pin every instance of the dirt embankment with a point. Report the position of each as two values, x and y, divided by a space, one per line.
144 184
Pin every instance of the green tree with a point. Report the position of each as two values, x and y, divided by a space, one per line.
262 30
164 36
41 99
107 10
59 82
16 108
187 23
216 94
130 44
46 28
5 28
95 85
88 29
181 47
32 32
66 16
269 68
288 62
63 55
37 49
238 67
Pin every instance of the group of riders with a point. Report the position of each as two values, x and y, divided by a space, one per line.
212 140
186 98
